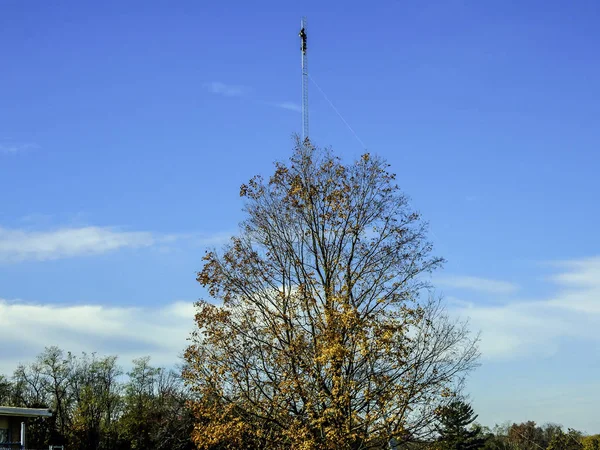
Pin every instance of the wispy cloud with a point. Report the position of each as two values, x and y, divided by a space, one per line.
227 90
583 272
16 147
521 327
128 332
21 245
477 284
17 245
212 240
291 106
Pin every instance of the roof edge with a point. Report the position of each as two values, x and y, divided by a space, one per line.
24 412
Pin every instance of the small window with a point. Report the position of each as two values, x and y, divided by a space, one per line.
4 435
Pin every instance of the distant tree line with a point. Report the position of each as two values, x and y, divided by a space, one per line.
457 430
96 405
530 436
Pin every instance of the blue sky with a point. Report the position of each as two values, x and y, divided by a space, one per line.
126 129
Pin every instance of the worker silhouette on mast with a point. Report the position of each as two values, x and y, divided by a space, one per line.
302 35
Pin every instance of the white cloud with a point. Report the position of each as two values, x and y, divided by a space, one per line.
477 284
289 105
129 332
17 245
227 90
583 272
520 327
20 245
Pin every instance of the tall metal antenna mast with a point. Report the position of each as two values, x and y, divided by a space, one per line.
304 79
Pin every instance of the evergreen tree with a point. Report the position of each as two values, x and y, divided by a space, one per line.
454 430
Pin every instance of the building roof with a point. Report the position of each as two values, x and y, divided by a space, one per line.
24 412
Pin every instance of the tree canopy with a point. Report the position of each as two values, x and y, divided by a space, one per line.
320 337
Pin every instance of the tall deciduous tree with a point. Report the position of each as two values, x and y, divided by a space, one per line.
96 391
54 367
527 436
156 413
322 340
6 391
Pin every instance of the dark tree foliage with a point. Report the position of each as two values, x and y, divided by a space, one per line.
96 407
454 430
5 390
